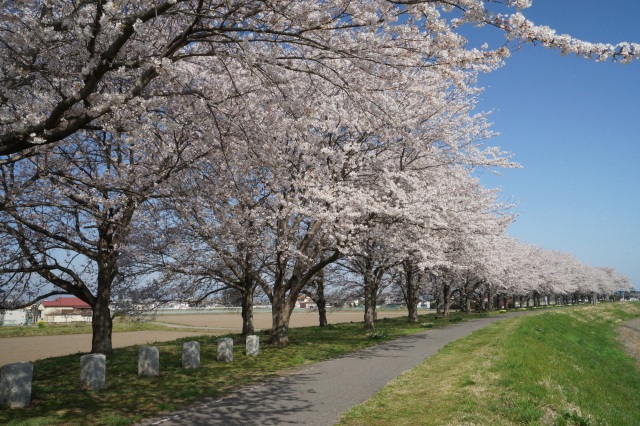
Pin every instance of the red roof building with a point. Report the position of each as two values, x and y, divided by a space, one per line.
65 309
66 302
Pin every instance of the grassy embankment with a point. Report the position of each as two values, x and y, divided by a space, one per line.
563 367
57 398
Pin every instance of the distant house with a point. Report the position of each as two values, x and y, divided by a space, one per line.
65 309
305 302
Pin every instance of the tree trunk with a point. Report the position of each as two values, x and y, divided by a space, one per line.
371 284
490 296
369 304
446 296
412 300
321 302
286 292
322 311
101 322
412 281
247 310
281 315
101 326
412 308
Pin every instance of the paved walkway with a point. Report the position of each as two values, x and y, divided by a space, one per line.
319 394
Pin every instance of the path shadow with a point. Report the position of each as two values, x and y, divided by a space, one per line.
271 403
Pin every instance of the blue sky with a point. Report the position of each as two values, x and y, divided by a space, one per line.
574 125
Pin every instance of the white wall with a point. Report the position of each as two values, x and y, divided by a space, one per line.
15 317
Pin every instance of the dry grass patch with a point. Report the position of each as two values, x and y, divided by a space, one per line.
629 335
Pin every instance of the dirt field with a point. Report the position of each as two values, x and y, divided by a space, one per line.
28 349
262 320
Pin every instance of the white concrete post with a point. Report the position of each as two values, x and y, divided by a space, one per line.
191 355
93 371
225 349
15 384
148 361
252 345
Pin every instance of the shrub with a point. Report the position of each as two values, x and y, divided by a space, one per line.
377 334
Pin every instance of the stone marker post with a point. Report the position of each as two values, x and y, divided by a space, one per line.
93 371
225 349
191 355
252 345
15 384
148 361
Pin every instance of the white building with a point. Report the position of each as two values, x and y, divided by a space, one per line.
15 317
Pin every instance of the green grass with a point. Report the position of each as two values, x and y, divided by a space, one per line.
562 367
57 398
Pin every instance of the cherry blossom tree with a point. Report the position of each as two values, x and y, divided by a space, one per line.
297 128
315 290
67 212
311 177
209 234
526 272
67 65
373 263
473 218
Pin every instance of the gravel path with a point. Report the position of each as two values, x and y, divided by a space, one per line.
318 395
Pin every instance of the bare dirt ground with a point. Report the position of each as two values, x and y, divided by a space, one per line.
262 320
630 337
29 349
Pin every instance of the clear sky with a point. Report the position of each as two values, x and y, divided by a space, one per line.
574 125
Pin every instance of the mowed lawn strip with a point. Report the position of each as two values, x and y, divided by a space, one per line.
57 398
563 367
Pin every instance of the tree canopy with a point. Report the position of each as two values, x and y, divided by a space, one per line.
250 144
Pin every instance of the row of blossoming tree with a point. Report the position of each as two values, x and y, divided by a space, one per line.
500 273
163 150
